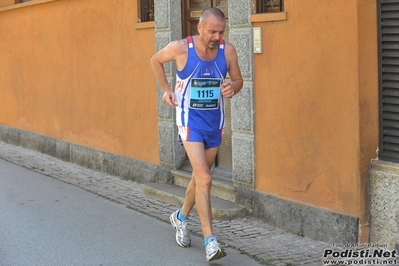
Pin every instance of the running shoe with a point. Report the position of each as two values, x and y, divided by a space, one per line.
213 250
183 237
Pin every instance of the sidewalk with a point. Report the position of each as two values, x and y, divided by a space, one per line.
267 244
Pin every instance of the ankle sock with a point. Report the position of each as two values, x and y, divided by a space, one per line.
207 239
181 216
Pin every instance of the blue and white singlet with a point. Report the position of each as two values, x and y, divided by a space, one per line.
198 92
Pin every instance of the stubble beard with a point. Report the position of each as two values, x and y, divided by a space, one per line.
213 45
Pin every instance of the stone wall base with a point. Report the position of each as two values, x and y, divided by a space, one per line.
124 167
384 203
299 218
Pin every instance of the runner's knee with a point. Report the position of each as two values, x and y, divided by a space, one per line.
205 181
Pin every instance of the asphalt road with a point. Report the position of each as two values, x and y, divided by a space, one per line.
44 221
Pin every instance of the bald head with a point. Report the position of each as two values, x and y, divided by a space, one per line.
211 11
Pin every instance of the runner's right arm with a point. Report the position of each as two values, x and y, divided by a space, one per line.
171 52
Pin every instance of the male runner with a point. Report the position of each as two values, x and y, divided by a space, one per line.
202 62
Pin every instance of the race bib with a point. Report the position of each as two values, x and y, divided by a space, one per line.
204 93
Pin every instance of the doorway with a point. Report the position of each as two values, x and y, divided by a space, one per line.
192 10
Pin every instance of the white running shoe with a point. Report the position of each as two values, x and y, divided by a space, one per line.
183 237
213 250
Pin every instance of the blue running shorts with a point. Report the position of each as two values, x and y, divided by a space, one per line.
210 139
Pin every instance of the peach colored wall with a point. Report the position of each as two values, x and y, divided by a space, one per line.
78 70
316 104
368 100
7 2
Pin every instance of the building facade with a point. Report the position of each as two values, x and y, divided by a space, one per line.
303 133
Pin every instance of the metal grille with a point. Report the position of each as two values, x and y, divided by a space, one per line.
388 11
147 10
269 6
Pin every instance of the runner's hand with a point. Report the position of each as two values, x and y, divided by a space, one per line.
227 89
169 98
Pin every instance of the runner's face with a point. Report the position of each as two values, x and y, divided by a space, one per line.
212 31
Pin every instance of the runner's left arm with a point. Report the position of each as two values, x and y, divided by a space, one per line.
236 82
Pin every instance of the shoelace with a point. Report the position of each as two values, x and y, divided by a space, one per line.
212 244
183 228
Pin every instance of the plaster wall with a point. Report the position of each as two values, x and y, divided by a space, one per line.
316 105
79 72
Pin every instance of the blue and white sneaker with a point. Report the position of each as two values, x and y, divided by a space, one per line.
213 250
183 237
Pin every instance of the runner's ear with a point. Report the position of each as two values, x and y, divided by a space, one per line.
199 27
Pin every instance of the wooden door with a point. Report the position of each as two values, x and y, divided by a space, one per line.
192 10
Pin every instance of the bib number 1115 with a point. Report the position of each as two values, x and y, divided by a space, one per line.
205 94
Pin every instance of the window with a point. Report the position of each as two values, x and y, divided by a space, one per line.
146 10
268 6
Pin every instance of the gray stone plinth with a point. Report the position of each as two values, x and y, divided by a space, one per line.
384 203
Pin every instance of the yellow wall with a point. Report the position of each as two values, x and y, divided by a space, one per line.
80 72
316 104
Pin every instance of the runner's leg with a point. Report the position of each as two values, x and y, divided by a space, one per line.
189 200
199 189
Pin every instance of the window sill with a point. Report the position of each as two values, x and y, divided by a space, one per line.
145 25
21 5
269 17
